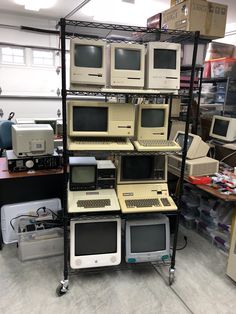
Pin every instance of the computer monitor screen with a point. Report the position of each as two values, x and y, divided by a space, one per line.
87 62
150 118
127 59
220 127
100 119
88 56
196 147
82 173
223 128
90 119
164 59
163 65
147 239
127 65
95 242
142 169
152 122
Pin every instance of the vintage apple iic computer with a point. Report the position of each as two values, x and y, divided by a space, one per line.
32 139
152 129
100 125
163 66
126 67
223 128
95 242
140 184
147 239
87 62
196 147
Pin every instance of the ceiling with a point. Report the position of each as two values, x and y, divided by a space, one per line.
113 11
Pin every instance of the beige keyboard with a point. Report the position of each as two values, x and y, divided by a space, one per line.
100 143
157 145
94 203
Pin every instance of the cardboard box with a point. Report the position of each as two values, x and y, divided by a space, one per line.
174 2
154 21
197 15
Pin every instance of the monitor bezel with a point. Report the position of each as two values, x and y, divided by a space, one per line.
84 75
162 78
96 260
119 171
147 256
231 131
127 78
156 133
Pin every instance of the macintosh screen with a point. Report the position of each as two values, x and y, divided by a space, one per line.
95 238
220 127
164 59
90 119
151 118
83 174
148 238
127 59
180 140
88 56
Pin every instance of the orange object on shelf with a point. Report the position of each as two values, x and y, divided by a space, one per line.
199 180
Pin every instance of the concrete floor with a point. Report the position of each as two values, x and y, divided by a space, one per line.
201 285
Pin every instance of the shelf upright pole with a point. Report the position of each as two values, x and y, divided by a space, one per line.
184 151
169 117
65 158
198 101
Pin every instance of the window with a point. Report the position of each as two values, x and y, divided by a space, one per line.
42 57
11 55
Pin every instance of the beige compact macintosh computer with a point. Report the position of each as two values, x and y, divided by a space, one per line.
152 129
141 183
100 125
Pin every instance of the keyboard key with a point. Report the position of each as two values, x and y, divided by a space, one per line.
165 201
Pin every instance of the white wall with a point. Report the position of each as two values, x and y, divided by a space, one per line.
29 80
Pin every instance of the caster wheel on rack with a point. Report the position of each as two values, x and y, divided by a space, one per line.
62 288
171 276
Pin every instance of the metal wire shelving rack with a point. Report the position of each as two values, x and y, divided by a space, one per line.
119 33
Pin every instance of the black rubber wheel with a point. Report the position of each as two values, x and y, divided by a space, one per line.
60 291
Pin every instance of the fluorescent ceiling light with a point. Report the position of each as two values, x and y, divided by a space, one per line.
36 5
123 12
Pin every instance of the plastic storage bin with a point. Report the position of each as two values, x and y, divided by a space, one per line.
40 243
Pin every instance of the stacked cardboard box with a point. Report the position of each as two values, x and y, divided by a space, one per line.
191 15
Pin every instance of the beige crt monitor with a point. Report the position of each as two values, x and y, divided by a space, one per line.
100 119
152 122
87 62
126 65
163 66
223 128
196 147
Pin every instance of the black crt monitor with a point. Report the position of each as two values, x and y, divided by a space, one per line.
88 56
152 118
164 59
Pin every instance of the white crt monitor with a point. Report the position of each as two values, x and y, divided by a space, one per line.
87 62
163 65
127 65
95 242
32 139
98 119
147 240
196 147
223 128
152 122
